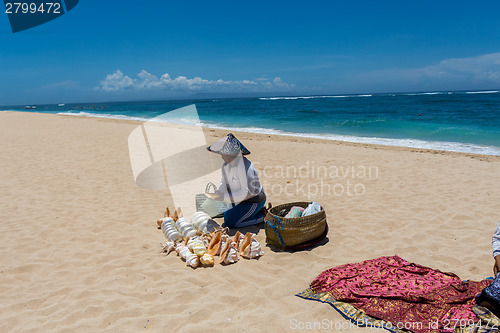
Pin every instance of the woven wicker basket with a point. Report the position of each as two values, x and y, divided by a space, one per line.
286 233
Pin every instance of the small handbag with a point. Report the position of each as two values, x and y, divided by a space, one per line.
208 205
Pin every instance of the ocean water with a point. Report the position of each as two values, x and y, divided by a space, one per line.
453 121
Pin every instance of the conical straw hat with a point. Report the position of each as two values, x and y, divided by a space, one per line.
228 145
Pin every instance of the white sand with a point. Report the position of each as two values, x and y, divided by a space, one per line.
79 244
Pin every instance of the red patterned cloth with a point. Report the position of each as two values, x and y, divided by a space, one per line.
395 290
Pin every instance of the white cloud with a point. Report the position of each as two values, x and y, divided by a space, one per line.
483 70
117 81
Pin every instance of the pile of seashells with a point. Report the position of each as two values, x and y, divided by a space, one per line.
193 243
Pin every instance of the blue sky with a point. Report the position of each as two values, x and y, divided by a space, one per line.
133 50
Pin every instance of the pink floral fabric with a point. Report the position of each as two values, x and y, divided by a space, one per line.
393 289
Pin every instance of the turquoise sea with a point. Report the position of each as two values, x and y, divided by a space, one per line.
466 121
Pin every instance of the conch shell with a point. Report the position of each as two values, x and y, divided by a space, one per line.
183 251
250 247
238 239
166 214
196 246
207 260
199 249
169 229
192 260
215 243
229 255
224 239
177 214
206 238
168 247
200 220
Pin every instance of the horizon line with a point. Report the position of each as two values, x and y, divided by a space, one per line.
254 95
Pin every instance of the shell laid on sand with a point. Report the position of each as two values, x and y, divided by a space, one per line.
168 247
206 238
199 249
166 221
200 220
183 251
190 241
192 260
214 246
207 260
169 229
172 234
196 246
202 227
177 214
238 239
229 255
185 227
224 240
250 247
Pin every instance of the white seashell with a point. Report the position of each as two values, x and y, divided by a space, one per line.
184 224
199 249
192 241
198 218
185 227
167 224
223 242
206 239
167 220
182 221
171 233
189 232
168 227
168 247
192 260
202 227
183 251
197 246
169 230
174 235
207 260
229 255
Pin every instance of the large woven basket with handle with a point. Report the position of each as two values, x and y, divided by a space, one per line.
294 233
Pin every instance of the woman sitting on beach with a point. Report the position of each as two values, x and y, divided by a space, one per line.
240 186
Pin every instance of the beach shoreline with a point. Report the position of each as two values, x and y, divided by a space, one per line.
80 247
293 136
397 141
